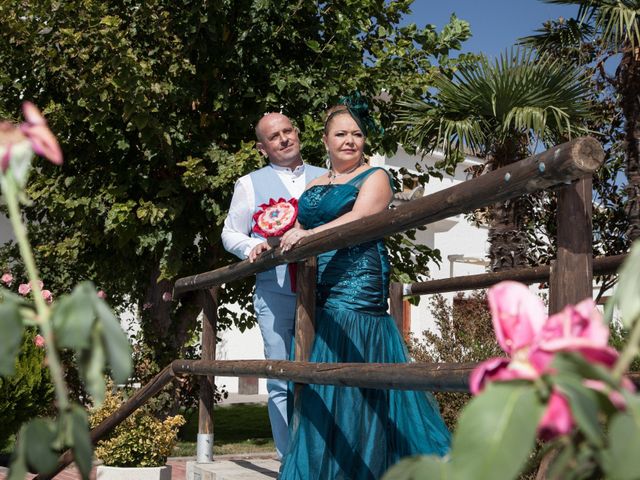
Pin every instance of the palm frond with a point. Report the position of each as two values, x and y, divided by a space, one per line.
518 95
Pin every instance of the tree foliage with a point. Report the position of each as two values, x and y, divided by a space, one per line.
500 110
154 103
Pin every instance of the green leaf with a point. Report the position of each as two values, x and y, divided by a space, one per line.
92 363
419 467
626 296
115 340
82 448
576 365
313 45
73 317
18 467
584 406
11 337
496 432
621 459
39 436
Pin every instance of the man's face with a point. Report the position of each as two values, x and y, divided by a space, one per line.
278 140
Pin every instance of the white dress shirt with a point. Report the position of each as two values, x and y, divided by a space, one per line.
237 226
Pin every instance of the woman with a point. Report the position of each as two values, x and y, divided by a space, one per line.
347 432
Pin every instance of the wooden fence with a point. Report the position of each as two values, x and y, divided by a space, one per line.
567 168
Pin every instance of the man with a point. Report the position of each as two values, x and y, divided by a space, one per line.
274 303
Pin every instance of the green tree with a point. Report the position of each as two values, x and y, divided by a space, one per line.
613 27
154 103
500 111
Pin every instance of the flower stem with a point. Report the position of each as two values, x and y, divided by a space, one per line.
629 353
55 366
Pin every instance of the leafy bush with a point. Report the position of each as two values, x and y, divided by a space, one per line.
465 334
26 394
142 440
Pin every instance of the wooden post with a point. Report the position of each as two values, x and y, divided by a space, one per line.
305 327
396 298
204 449
572 274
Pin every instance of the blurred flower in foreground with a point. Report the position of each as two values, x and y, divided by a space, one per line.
18 142
531 338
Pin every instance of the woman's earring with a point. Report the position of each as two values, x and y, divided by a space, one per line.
327 161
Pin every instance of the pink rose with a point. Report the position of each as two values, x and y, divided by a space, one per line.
557 419
47 296
7 278
166 296
24 288
38 340
102 294
531 339
43 141
517 314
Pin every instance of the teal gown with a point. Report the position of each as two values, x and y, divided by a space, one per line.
354 433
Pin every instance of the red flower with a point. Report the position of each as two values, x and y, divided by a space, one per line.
276 217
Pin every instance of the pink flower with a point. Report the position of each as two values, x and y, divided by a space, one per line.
147 306
7 278
102 294
166 296
35 128
38 340
557 419
25 288
517 315
47 296
524 331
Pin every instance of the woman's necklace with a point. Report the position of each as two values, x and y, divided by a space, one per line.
333 174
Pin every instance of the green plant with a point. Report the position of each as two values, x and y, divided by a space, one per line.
464 335
27 393
142 440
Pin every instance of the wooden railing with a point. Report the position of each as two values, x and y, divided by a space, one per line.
567 167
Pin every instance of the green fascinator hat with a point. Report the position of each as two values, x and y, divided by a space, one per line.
358 108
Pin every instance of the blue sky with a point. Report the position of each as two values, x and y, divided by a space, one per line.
495 24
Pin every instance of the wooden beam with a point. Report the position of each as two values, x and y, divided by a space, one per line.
396 309
572 278
207 385
305 326
560 164
448 377
601 266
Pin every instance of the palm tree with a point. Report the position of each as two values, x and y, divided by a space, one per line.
499 111
615 25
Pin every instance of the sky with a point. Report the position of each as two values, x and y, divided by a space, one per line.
496 25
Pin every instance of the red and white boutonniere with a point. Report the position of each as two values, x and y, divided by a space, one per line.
272 220
276 217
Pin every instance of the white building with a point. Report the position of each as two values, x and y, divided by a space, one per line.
462 248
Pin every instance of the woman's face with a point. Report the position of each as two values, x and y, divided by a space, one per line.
344 140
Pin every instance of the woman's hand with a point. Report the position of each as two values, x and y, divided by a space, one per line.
257 250
293 236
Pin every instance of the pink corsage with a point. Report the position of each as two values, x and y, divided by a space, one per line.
272 220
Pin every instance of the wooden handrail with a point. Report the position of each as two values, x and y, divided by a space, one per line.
601 266
559 165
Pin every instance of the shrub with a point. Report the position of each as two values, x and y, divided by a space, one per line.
464 334
142 440
26 394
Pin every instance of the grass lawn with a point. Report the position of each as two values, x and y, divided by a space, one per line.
238 428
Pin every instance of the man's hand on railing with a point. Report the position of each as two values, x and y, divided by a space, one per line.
257 250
